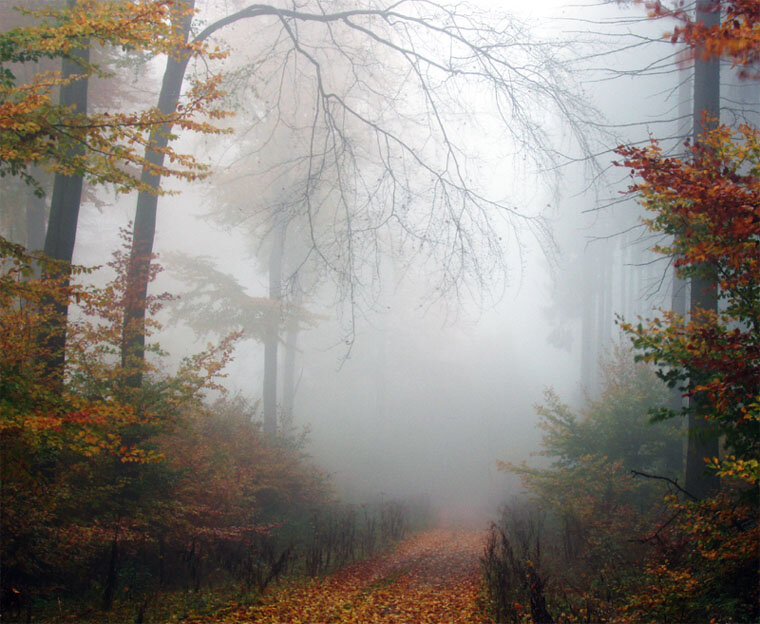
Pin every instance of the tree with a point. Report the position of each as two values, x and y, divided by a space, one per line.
279 238
703 291
81 464
710 204
216 303
100 147
705 561
737 37
412 174
66 198
115 492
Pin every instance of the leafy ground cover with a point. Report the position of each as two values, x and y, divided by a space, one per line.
430 577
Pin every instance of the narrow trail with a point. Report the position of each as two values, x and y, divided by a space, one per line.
431 577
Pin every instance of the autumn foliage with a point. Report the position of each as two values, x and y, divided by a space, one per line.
602 543
109 488
118 499
709 203
704 561
607 534
104 147
736 37
431 577
573 551
612 535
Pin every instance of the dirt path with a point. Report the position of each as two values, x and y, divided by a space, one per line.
432 577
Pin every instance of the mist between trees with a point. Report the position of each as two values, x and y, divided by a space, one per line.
285 284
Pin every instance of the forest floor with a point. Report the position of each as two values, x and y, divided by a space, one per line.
430 577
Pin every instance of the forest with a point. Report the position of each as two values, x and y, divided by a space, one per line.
379 311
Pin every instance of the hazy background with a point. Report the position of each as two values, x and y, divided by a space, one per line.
424 393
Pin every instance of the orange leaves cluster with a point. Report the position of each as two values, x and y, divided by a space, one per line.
432 577
232 470
737 37
710 202
93 415
139 24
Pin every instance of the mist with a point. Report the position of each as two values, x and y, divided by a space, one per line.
413 226
416 391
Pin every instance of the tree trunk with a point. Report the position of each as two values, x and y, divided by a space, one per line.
679 287
272 336
36 222
64 215
587 326
704 292
138 272
289 364
113 574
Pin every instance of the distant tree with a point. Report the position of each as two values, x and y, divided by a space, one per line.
216 303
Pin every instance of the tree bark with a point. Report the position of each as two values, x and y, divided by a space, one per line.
64 214
36 222
272 336
702 442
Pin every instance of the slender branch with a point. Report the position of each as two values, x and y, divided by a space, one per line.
668 480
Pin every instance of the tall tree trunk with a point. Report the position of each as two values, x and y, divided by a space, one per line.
289 364
272 335
588 321
702 442
64 213
679 287
138 272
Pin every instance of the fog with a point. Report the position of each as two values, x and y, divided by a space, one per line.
409 383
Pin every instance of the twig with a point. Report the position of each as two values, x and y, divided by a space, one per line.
661 478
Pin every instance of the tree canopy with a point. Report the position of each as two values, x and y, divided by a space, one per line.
37 131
